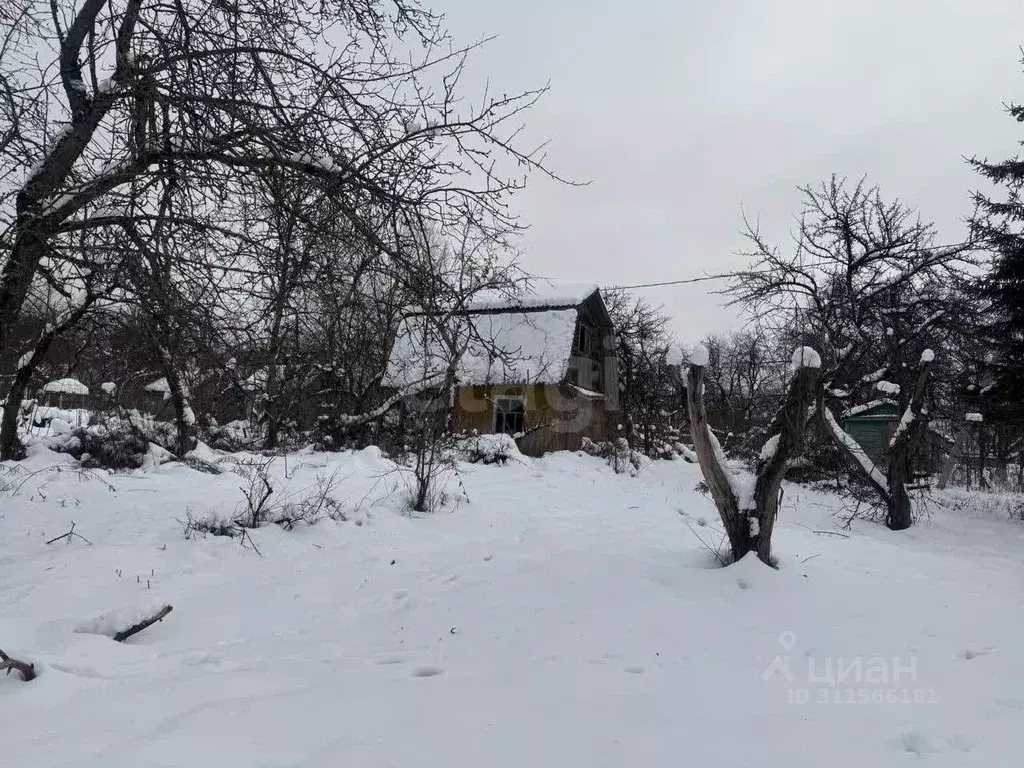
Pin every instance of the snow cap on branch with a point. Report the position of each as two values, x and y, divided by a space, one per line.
770 448
975 417
927 356
805 357
674 356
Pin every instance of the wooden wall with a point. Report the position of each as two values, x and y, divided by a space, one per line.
557 418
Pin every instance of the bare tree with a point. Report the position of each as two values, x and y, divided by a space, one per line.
866 283
653 407
204 97
452 273
746 374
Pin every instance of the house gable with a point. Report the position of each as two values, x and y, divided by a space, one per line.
551 357
533 338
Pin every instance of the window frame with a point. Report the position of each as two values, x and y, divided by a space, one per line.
502 413
583 331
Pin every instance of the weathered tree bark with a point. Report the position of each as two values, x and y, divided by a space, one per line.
750 530
789 425
9 421
706 447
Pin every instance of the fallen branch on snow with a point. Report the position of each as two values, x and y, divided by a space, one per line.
70 535
28 671
134 629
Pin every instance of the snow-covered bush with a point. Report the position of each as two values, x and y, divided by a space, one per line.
617 453
114 443
488 449
234 436
98 447
268 502
210 524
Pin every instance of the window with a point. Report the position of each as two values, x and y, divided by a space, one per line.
583 337
509 415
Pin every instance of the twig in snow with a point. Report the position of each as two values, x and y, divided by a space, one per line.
28 671
134 629
70 535
717 553
810 558
824 533
247 535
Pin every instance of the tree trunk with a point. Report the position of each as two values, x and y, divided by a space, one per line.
982 456
271 407
9 424
9 421
902 448
947 470
750 530
184 417
790 422
708 452
15 281
899 516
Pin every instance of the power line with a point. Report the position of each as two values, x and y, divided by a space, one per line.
670 282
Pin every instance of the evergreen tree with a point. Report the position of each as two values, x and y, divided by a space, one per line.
998 224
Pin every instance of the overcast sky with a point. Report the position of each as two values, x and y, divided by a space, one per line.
682 114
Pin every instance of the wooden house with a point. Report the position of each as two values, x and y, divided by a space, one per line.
539 366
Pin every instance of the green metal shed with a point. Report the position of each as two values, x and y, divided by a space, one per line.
873 424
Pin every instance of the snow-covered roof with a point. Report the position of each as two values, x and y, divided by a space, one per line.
530 347
588 393
541 294
66 387
160 386
860 410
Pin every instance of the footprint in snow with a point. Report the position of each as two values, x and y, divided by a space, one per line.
961 742
77 670
427 671
973 653
916 742
634 670
1009 702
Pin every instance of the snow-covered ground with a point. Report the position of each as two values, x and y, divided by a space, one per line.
553 614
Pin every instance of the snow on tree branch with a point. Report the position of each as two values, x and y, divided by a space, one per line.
852 447
805 357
